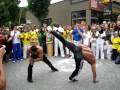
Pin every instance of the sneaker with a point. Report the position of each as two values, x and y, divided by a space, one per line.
73 79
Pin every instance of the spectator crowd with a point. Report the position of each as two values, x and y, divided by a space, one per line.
103 39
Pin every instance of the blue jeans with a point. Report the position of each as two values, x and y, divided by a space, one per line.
17 51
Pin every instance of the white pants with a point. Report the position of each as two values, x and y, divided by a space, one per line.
59 44
99 48
77 43
68 52
93 47
25 47
109 49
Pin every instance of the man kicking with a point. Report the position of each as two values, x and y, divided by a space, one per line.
35 53
80 52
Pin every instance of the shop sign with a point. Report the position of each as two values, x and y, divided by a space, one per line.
116 10
97 4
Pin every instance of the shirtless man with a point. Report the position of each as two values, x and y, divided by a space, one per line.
80 52
35 53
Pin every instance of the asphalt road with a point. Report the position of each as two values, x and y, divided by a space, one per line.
108 75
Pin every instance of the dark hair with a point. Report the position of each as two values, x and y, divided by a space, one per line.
34 53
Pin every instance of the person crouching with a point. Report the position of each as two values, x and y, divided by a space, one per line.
35 53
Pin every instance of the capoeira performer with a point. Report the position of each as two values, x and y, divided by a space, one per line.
80 52
35 53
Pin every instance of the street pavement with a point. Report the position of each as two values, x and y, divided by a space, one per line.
108 75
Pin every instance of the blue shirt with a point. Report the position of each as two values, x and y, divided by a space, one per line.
76 35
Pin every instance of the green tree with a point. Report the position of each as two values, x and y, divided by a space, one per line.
39 8
9 11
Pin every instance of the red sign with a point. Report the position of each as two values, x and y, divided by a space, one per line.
97 4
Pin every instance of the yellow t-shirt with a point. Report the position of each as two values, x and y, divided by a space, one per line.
64 35
69 35
33 35
118 50
115 43
25 37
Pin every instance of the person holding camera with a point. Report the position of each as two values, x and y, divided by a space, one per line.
2 72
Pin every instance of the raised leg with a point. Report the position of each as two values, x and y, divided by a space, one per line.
70 45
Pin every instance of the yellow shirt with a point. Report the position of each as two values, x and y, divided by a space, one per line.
64 35
118 50
33 34
25 37
69 35
115 43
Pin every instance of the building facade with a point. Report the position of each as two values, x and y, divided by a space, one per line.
73 11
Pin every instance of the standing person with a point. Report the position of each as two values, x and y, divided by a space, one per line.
69 38
15 36
25 37
115 45
9 45
100 43
79 52
86 36
49 43
57 43
93 44
77 34
108 46
93 38
41 37
2 71
35 53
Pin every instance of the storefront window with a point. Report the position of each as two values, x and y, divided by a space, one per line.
76 1
78 16
96 16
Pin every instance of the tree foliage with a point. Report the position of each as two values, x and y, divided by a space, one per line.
9 11
39 8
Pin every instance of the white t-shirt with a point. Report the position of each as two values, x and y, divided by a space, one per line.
60 29
16 36
86 38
